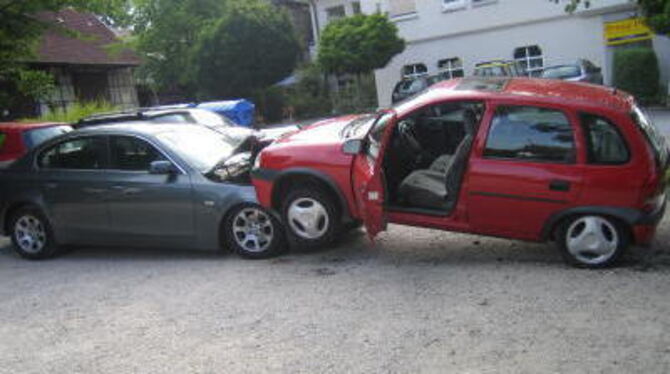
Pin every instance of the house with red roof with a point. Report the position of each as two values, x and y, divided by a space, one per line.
79 51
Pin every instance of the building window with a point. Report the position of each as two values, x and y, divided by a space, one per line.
356 7
335 13
414 70
449 5
398 8
451 68
530 58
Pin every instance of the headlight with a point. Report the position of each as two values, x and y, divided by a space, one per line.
257 161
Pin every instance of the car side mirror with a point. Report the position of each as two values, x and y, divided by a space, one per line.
162 167
353 146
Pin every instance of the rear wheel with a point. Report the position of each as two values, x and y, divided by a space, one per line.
32 235
311 216
252 232
592 241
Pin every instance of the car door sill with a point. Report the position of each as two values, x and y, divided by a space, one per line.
422 211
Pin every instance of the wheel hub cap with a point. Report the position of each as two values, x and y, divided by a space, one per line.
253 229
308 218
30 234
592 240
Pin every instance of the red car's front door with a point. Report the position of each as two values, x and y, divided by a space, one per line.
367 176
524 169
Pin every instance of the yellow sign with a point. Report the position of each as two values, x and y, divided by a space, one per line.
627 31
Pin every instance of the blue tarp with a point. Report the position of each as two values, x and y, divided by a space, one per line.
240 111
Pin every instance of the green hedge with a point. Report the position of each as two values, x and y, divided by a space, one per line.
636 71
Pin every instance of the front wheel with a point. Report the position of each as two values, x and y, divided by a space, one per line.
252 232
32 235
592 241
311 216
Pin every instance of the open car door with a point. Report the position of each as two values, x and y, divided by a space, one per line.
368 179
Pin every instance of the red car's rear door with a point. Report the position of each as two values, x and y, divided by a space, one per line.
525 168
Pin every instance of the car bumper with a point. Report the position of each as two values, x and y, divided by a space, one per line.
645 227
263 180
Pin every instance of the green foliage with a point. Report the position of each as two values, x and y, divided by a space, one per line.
359 44
658 15
636 71
310 97
251 47
75 112
166 32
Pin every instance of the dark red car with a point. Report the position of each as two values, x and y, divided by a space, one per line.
17 138
518 158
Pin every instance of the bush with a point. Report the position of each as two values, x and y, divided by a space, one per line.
74 112
310 97
636 71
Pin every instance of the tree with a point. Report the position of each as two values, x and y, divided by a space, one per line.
20 31
359 44
166 32
251 47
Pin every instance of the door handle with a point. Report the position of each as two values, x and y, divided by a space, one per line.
126 190
559 185
51 185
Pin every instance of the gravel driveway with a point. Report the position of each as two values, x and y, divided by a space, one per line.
417 301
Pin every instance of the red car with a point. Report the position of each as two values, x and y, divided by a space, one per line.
518 158
17 138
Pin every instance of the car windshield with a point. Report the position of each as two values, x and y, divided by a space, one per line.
33 138
654 137
201 147
561 72
211 119
359 126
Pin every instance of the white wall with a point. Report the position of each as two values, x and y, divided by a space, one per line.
561 39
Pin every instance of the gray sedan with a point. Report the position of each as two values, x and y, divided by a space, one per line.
137 185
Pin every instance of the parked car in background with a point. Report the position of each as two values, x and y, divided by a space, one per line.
526 159
499 68
16 138
409 87
186 115
163 185
580 71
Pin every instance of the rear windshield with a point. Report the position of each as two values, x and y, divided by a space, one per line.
654 137
33 138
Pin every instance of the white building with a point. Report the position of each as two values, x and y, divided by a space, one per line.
454 35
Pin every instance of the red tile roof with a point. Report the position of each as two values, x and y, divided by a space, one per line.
59 48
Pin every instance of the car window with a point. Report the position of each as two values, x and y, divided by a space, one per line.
132 154
654 137
376 135
562 72
530 134
604 144
88 153
173 118
35 137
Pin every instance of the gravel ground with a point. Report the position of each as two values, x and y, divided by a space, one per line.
416 301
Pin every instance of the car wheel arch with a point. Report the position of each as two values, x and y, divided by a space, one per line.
15 207
304 175
625 216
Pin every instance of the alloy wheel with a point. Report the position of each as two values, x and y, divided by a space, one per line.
308 218
592 240
253 230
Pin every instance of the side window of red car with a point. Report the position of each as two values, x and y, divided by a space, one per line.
604 143
528 133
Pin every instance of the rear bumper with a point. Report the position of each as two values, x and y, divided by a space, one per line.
644 228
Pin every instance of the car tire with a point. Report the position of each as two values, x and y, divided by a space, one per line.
254 233
321 219
592 241
31 234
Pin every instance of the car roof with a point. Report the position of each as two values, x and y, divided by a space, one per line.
14 126
133 114
137 127
524 89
